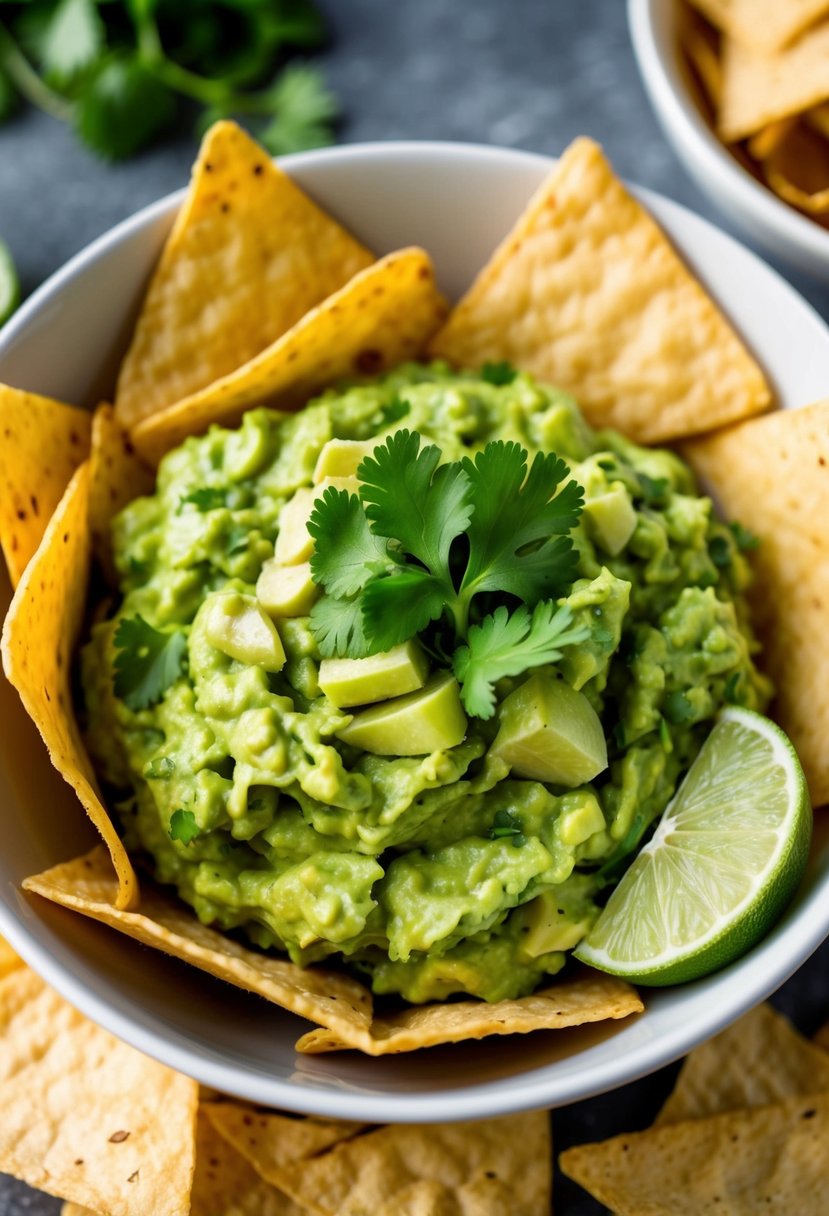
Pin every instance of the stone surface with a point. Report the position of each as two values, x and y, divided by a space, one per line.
528 73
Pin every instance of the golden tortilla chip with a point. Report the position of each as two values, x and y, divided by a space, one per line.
117 476
39 634
759 1060
248 255
759 89
821 1037
86 1117
818 119
271 1142
500 1167
382 317
75 1209
589 997
797 169
226 1185
587 293
772 474
327 998
769 138
765 25
9 961
701 46
771 1159
42 442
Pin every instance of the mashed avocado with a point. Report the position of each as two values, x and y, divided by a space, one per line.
432 874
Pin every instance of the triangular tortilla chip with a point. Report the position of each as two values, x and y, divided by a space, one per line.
271 1142
117 476
86 1117
39 635
772 474
382 317
226 1185
249 255
589 997
760 88
9 961
42 442
759 1060
765 25
587 293
497 1166
327 998
771 1159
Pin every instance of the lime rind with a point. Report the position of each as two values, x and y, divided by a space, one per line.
721 866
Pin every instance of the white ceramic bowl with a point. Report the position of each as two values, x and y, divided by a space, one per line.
775 226
457 201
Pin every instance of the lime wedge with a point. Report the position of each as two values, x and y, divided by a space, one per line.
724 861
9 284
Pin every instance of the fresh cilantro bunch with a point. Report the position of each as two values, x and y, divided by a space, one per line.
426 543
117 70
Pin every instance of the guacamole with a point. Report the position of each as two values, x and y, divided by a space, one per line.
455 864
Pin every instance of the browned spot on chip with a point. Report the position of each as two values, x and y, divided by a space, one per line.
214 301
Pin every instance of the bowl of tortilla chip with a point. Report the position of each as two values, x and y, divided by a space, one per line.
739 90
269 284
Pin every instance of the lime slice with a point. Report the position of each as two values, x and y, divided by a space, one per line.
9 284
724 861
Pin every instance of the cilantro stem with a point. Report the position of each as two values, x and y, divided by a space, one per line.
27 81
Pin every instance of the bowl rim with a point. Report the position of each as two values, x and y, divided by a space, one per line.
776 958
676 108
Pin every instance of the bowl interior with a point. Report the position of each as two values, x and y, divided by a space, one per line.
65 342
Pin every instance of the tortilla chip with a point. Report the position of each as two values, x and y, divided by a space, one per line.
771 1159
772 474
497 1166
759 1060
821 1037
327 998
226 1185
760 89
248 255
765 25
86 1117
42 442
769 138
797 169
75 1209
701 46
271 1142
818 119
9 961
117 476
39 634
382 317
587 293
589 997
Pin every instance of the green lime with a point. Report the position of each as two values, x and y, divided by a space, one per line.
724 861
9 284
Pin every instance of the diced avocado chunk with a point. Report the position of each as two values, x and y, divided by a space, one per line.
550 732
430 720
286 590
549 926
294 542
579 823
611 518
359 681
342 457
238 627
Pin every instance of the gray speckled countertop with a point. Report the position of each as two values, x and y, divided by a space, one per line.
525 73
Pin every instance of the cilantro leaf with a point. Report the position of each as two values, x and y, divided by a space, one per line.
205 498
507 824
719 550
122 108
393 410
346 552
409 499
678 708
745 538
498 373
183 826
517 535
654 489
147 661
304 110
337 624
72 40
9 97
398 607
508 644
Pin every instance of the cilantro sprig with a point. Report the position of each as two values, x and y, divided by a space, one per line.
119 71
147 661
423 539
